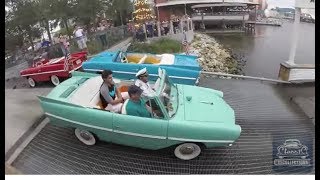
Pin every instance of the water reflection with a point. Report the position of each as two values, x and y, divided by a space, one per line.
270 46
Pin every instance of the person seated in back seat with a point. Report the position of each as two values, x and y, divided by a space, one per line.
111 97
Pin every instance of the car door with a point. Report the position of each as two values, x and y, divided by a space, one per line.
99 122
147 133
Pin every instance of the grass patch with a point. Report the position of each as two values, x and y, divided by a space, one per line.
163 45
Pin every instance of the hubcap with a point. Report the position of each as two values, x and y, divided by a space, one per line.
85 135
187 150
55 80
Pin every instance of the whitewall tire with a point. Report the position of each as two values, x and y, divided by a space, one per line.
31 82
55 80
85 136
187 151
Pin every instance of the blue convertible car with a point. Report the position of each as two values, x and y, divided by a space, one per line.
182 69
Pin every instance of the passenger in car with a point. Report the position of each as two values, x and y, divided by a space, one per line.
135 106
143 83
110 95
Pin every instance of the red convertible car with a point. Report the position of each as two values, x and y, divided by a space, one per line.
53 69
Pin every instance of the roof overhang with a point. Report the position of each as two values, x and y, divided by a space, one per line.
218 5
182 2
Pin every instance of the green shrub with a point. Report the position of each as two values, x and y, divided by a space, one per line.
94 47
163 45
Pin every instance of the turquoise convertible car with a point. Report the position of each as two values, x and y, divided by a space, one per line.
187 118
182 69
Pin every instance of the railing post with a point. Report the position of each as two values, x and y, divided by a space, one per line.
145 30
159 29
181 25
171 27
188 25
295 35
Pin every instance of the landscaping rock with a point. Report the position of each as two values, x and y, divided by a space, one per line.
214 57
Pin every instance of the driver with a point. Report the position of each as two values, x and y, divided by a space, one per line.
142 83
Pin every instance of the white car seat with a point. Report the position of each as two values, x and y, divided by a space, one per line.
143 59
123 110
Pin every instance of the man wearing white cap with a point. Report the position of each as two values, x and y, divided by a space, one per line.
142 82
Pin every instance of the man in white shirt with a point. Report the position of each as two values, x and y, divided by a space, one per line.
80 37
142 82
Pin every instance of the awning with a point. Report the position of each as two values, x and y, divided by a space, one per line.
218 5
182 2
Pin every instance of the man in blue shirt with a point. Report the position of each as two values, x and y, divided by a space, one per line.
45 43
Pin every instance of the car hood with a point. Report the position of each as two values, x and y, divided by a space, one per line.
187 61
203 104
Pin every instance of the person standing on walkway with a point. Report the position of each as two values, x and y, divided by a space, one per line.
80 38
102 34
64 44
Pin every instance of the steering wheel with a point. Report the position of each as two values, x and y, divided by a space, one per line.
123 57
39 63
124 60
169 107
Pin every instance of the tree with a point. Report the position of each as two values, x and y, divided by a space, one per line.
86 11
45 14
63 11
142 12
23 20
122 9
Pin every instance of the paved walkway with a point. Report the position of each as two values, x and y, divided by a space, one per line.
22 111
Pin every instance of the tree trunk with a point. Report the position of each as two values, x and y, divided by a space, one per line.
121 18
31 40
29 34
47 26
65 21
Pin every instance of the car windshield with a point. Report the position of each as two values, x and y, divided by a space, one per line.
169 97
120 55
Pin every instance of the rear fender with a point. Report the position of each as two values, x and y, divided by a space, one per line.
49 100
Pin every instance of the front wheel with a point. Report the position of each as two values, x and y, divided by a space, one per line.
55 80
85 136
187 151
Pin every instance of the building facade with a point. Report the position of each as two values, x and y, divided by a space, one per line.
215 13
